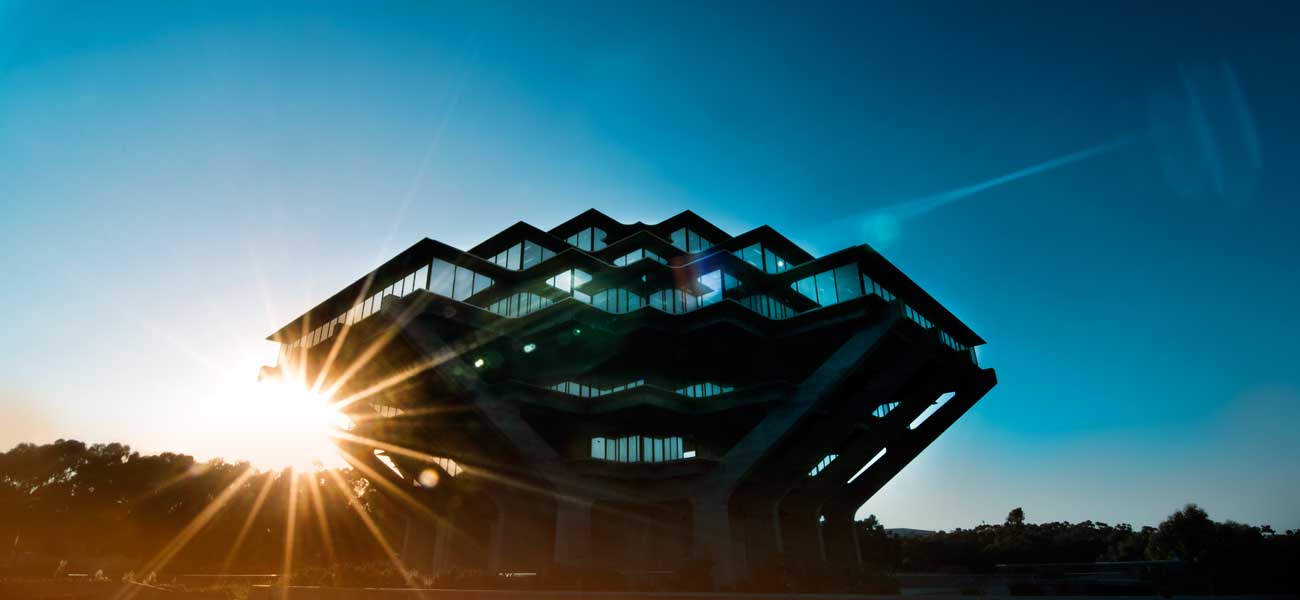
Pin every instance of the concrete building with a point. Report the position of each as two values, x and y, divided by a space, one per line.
637 396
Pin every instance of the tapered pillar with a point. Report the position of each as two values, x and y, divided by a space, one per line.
801 538
762 534
711 526
840 540
573 531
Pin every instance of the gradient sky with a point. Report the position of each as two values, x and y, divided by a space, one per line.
177 181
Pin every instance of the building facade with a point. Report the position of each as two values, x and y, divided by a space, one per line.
636 396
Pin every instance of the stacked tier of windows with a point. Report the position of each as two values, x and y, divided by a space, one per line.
443 278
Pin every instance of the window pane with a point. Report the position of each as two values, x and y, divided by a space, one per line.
826 288
481 282
440 278
584 239
847 283
692 241
422 278
580 277
679 239
464 284
806 287
532 255
512 257
597 238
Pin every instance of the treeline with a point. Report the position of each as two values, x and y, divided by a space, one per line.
106 507
1217 556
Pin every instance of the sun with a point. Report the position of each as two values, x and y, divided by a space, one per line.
299 427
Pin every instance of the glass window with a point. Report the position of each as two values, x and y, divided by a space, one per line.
422 278
847 283
584 239
597 238
826 288
532 255
441 277
464 284
481 282
679 239
512 257
713 281
806 287
692 241
753 255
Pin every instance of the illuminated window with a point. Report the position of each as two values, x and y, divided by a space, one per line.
574 388
704 390
884 409
520 304
637 448
822 464
763 259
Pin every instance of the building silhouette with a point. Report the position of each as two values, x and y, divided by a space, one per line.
636 397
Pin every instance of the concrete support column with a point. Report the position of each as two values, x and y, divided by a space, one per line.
573 531
711 526
801 538
840 539
761 523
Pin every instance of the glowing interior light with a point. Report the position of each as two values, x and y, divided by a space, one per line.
577 331
529 347
478 363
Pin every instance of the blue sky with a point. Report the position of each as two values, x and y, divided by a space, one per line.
177 180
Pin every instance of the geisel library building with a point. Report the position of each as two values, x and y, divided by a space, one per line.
637 396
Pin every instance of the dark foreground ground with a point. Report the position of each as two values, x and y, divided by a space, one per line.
63 590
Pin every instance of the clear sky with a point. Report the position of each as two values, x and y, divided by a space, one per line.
178 180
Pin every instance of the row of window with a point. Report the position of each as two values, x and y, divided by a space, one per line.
586 391
698 390
884 409
522 256
637 448
590 239
845 283
822 464
704 390
371 305
456 282
520 304
689 241
386 411
617 301
768 306
639 254
566 281
764 259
